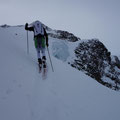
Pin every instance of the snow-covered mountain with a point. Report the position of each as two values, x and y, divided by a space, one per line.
66 93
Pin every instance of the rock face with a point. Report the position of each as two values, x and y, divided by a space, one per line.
5 26
64 35
95 60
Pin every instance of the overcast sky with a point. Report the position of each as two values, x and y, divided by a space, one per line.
85 18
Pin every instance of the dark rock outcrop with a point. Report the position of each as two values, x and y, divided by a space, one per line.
64 35
5 26
95 60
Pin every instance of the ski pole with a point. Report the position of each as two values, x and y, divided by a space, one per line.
50 59
27 44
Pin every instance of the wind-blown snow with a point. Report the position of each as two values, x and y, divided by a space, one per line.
66 94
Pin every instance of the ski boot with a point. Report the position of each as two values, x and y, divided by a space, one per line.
40 64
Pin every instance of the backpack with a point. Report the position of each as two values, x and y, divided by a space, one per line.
38 28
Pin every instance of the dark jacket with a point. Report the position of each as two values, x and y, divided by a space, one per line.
32 29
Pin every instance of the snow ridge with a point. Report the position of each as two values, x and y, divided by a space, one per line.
66 94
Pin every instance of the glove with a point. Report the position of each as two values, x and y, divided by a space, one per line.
26 26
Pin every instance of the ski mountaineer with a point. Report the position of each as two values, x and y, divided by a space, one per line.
40 40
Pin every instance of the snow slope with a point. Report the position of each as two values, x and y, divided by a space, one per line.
66 94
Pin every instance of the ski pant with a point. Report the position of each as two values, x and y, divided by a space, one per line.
39 51
40 46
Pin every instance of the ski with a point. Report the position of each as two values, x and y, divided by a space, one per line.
40 68
44 73
43 70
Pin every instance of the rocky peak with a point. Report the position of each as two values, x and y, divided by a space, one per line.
95 60
64 35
